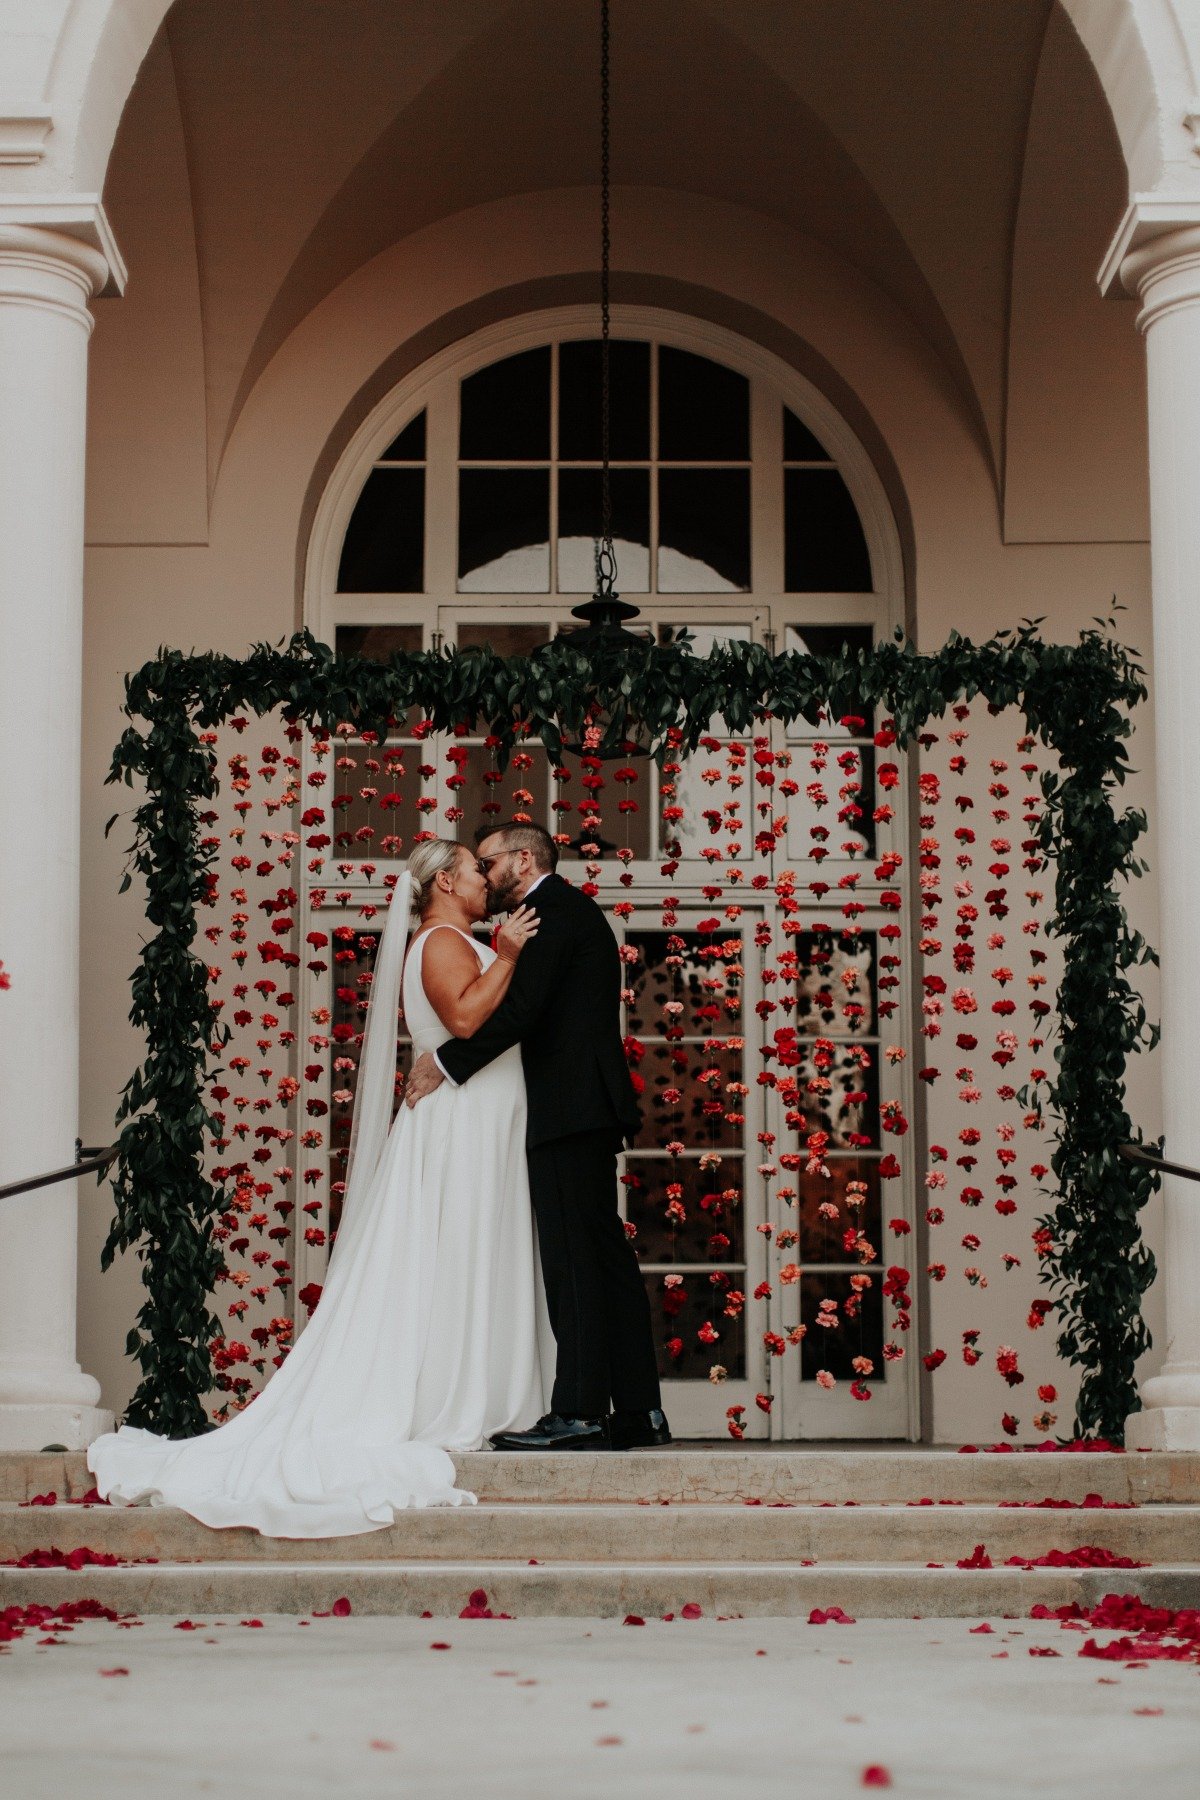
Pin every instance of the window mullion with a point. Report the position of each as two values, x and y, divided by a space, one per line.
766 490
653 581
441 492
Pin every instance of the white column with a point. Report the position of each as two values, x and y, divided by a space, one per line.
46 281
1165 273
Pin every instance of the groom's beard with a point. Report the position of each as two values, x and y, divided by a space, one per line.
502 898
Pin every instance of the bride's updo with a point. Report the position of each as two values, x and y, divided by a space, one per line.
426 863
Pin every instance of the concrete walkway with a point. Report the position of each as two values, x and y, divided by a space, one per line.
567 1709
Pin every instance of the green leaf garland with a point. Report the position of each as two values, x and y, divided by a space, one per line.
1076 697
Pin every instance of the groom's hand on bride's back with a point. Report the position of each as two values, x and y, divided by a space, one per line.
423 1078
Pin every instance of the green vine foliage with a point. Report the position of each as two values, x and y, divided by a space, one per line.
1076 697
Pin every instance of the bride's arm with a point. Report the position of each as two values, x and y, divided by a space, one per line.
463 996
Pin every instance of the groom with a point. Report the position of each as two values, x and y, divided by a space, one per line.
563 1008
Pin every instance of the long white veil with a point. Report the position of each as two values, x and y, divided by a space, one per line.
376 1086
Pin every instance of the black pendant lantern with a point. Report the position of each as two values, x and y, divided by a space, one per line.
604 612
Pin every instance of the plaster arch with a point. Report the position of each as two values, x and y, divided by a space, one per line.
1146 54
80 58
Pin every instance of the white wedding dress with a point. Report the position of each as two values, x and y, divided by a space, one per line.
430 1335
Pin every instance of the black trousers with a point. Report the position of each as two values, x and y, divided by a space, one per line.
594 1288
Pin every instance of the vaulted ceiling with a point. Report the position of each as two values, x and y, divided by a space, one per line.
317 132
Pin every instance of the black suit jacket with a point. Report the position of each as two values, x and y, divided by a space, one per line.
563 1007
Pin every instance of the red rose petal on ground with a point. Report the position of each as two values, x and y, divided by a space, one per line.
692 1611
875 1775
1147 1712
608 1740
381 1744
981 1630
190 1625
341 1608
439 1646
633 1619
256 1624
114 1671
1043 1650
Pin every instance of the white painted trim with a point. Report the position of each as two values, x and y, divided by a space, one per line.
79 216
1147 217
24 126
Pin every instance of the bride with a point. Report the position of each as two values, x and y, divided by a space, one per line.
432 1332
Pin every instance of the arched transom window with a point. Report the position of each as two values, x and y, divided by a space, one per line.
714 486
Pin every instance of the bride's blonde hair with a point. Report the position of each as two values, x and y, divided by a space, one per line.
426 863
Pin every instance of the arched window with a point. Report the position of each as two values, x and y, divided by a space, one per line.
525 484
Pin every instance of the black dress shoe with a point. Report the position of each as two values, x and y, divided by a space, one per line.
638 1430
555 1432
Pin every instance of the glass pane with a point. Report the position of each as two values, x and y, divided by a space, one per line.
832 640
484 800
834 809
703 531
504 531
693 795
628 829
712 1226
678 1105
579 525
505 414
824 549
410 445
703 410
383 551
834 1348
821 1233
667 974
839 1096
836 983
505 638
799 443
579 401
376 642
679 1315
374 810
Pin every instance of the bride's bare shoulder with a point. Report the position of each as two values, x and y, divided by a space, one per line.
446 953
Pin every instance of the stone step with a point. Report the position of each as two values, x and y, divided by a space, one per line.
618 1532
231 1590
714 1473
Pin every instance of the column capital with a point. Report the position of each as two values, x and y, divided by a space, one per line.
73 228
1143 238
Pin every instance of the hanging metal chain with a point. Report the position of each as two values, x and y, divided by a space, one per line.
606 561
